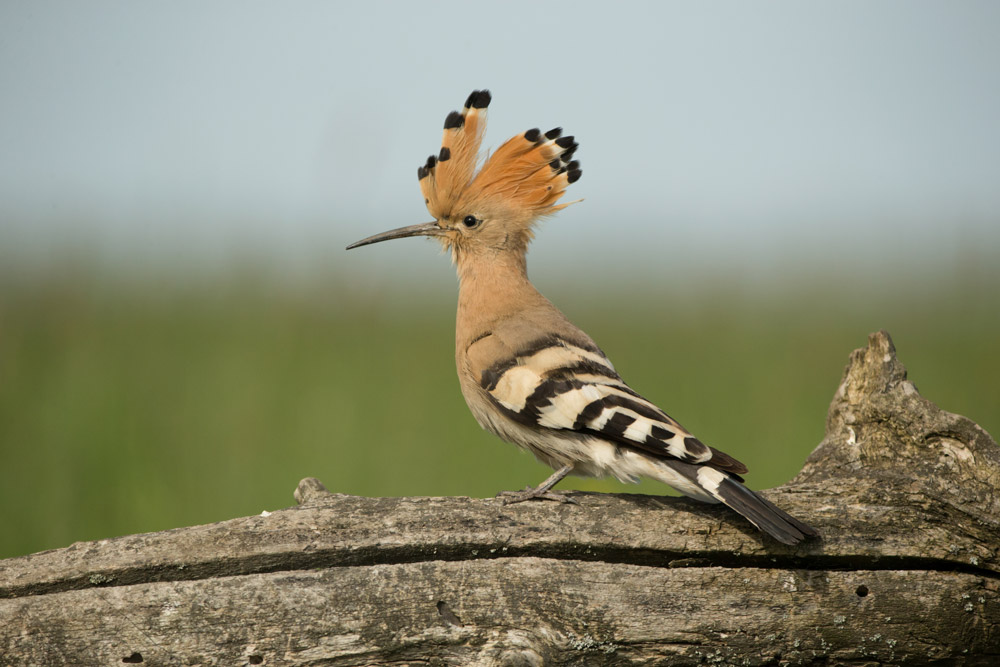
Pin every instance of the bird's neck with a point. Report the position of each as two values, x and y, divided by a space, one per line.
491 288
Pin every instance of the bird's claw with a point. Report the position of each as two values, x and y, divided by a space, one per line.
530 493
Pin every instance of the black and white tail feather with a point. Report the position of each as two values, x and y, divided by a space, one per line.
568 391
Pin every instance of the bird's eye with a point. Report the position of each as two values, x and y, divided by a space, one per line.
471 221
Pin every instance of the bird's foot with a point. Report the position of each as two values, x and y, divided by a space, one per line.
543 491
532 493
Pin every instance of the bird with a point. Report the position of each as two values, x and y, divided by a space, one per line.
528 374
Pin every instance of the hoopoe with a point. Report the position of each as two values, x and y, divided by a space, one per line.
528 374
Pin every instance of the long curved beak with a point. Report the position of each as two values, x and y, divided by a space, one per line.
423 229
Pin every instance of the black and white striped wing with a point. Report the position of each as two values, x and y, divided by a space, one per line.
560 385
565 385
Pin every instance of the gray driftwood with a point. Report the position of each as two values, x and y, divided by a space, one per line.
907 571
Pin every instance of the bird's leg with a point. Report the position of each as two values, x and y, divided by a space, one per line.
543 491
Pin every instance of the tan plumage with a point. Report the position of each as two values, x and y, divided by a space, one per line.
527 373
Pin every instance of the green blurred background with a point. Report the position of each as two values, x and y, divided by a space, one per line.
183 337
132 409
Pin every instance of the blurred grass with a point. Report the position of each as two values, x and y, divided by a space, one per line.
128 410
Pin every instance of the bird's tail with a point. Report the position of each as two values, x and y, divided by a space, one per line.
755 508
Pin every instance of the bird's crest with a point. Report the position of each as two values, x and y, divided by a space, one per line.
523 179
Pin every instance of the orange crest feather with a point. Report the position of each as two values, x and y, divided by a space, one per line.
526 176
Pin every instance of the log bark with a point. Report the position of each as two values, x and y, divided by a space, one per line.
907 570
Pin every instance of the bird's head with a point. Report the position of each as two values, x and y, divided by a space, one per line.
491 210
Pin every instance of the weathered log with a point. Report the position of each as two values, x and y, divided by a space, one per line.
907 571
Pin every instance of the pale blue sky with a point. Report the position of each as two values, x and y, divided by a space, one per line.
764 137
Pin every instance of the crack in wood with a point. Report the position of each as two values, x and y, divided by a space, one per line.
317 560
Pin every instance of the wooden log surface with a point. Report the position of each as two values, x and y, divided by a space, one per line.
907 570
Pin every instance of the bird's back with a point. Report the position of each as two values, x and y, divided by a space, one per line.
532 377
